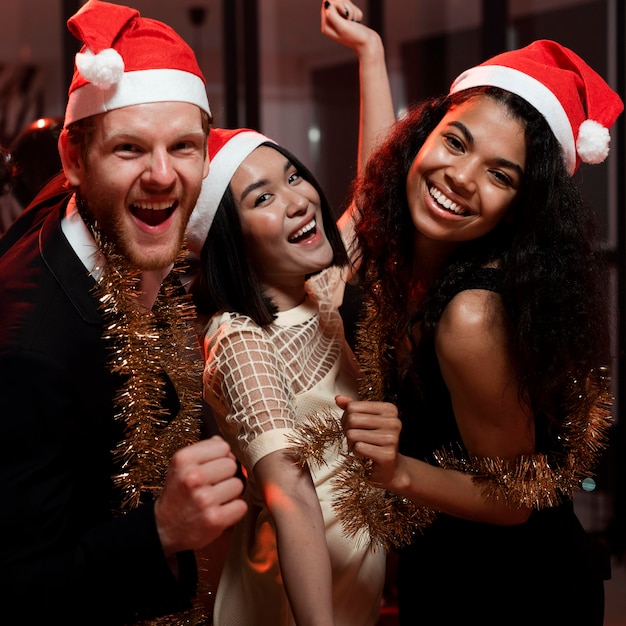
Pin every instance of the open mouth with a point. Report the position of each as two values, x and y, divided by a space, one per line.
446 203
304 233
152 215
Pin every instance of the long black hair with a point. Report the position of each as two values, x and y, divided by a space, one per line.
552 288
227 279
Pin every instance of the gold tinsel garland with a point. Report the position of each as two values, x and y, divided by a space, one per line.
538 480
367 513
545 480
145 347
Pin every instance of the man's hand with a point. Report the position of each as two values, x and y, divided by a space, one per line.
201 497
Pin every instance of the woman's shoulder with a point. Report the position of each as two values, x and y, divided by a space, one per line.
474 318
224 326
230 321
473 308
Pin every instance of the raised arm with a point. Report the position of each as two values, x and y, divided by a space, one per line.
341 21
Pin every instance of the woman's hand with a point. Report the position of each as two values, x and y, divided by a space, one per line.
341 22
373 431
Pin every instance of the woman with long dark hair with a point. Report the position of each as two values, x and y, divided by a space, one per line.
485 333
273 266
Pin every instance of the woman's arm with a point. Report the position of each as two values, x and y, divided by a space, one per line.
472 348
376 109
471 345
292 501
245 376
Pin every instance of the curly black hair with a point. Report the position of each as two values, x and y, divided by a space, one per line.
553 290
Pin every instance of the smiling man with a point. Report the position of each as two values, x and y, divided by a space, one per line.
107 491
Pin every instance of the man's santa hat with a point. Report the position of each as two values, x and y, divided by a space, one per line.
128 59
228 149
574 99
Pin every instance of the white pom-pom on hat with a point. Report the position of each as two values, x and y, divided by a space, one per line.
593 142
103 69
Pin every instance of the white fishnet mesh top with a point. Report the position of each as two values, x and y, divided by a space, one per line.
252 375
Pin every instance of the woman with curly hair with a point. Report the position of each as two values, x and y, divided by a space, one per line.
485 334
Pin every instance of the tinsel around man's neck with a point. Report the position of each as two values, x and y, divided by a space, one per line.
146 348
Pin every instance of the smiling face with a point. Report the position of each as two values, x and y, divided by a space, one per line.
281 220
468 172
142 177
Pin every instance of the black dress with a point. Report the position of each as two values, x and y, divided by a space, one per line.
547 571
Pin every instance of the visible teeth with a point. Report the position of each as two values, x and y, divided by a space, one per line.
305 229
446 203
152 206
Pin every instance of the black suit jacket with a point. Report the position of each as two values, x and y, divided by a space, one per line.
63 554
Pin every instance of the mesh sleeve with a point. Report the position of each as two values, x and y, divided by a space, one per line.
245 377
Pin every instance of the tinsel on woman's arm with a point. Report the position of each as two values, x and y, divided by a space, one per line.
366 512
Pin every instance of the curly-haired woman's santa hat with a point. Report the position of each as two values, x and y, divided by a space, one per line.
228 149
128 59
574 99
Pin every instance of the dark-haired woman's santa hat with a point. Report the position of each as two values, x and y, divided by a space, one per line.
128 59
228 149
575 100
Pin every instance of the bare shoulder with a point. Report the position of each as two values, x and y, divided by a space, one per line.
473 321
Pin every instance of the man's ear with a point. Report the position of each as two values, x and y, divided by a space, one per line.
71 159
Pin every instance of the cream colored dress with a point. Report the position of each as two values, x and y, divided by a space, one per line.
260 382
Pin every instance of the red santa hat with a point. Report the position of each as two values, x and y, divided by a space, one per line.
228 149
128 59
574 99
